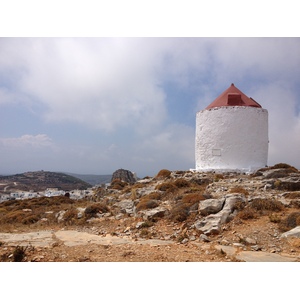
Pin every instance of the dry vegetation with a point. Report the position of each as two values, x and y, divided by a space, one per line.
180 192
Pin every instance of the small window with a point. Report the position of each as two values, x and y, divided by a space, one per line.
216 152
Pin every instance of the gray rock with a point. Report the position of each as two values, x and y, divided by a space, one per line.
126 206
204 238
157 212
250 241
210 206
295 232
212 223
124 175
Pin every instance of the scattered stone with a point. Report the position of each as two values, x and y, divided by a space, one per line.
204 238
250 241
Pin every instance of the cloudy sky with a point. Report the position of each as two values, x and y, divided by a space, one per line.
93 105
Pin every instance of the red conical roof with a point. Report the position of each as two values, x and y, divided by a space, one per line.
233 97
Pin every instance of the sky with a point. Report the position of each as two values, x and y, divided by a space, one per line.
92 105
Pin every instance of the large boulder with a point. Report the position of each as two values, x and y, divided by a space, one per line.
213 222
124 175
210 206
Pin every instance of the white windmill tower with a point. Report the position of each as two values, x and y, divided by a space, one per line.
232 134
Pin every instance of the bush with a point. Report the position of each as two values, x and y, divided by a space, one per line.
266 204
31 219
92 210
179 212
293 195
247 213
191 199
275 218
118 184
180 183
166 187
239 190
146 204
70 215
164 173
290 222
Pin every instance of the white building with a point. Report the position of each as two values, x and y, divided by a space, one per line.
232 134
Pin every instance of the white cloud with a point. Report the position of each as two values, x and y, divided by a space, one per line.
284 123
27 140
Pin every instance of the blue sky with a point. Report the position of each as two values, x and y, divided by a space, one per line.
93 105
126 93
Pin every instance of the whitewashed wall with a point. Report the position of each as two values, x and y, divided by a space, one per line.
231 138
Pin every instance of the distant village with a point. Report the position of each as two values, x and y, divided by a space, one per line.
49 192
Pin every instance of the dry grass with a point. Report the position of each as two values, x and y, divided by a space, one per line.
118 184
240 190
290 222
166 187
293 195
262 205
191 199
181 183
93 209
163 174
146 203
247 213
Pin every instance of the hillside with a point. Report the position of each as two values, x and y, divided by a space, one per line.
174 216
39 181
92 179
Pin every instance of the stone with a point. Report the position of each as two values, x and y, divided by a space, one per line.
295 232
212 223
157 212
210 206
204 238
126 206
249 241
124 175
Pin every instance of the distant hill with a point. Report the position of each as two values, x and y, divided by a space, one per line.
93 179
41 180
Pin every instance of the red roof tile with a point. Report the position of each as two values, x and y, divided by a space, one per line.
233 97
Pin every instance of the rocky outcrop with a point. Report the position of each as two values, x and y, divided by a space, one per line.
212 223
124 175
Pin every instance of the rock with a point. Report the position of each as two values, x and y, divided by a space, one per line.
157 212
291 183
126 206
60 215
204 238
124 175
249 241
212 223
210 206
184 241
295 232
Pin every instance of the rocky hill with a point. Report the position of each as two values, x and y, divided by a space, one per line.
174 216
40 181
